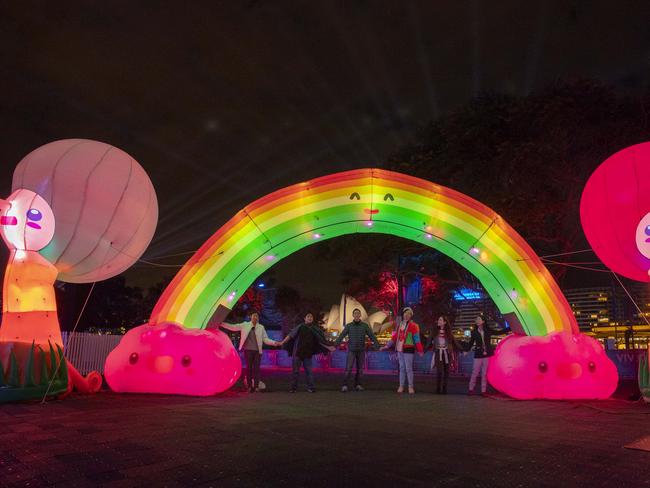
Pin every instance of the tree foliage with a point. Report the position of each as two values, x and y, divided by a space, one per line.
528 158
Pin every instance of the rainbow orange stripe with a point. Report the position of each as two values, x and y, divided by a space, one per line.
368 201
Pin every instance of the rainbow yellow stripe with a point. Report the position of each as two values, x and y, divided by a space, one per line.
369 201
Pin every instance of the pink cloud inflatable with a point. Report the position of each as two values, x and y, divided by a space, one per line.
558 366
168 358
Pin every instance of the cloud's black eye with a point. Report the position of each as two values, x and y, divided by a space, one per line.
133 358
592 367
186 361
355 196
542 366
389 196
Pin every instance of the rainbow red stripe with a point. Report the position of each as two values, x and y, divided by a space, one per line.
369 201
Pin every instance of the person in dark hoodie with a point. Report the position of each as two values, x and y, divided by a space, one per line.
303 342
481 340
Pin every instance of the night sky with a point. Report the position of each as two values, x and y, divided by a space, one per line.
223 102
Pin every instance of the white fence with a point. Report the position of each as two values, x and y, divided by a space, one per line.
87 352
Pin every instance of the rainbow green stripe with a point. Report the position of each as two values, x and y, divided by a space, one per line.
278 224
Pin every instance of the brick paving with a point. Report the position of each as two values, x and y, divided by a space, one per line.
373 438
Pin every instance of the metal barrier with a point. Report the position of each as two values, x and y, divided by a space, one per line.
88 352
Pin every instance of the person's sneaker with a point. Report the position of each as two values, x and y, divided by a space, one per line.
358 388
411 390
400 389
311 390
344 388
470 392
292 390
485 394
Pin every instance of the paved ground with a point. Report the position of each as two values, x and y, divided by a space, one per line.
374 438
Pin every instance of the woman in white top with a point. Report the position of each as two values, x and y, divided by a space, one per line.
253 336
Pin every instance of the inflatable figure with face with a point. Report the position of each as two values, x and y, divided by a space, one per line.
167 358
80 211
559 366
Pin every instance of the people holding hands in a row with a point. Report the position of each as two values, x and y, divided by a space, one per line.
308 339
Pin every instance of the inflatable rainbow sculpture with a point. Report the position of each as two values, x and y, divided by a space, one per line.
375 201
367 201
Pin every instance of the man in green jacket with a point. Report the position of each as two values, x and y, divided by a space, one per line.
356 331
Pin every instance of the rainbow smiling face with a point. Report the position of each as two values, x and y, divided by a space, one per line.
168 358
559 366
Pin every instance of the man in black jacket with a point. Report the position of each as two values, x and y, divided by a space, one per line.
304 341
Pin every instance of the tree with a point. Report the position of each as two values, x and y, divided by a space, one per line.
111 305
528 158
294 306
383 294
251 301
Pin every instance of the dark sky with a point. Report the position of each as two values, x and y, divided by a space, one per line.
223 102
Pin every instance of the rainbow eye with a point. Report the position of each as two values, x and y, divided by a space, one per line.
647 230
133 358
186 361
36 215
542 366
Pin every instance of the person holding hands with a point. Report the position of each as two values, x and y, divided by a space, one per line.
406 340
356 332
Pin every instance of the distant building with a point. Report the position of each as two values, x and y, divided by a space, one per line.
609 314
605 312
593 307
468 304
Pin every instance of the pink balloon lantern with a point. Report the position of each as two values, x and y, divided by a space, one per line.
615 212
167 358
103 203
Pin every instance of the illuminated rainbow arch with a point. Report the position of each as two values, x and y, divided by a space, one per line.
366 201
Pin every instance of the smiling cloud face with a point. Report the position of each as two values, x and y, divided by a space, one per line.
558 366
167 358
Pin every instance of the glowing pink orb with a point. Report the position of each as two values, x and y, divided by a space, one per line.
168 358
558 366
615 212
103 201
